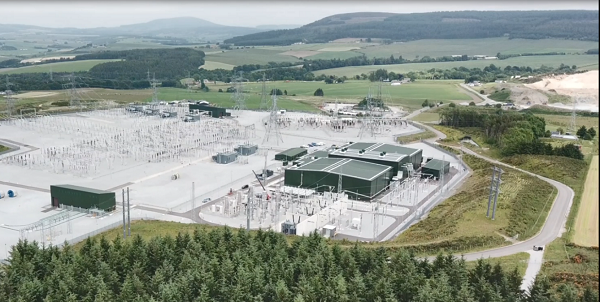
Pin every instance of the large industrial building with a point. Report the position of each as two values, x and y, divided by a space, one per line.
398 162
81 197
360 180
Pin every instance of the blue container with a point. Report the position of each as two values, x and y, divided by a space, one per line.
11 193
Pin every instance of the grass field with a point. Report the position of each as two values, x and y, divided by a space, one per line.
210 65
554 122
586 223
522 208
409 96
250 56
534 62
71 66
3 148
489 47
427 117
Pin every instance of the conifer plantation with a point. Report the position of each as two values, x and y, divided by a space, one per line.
227 265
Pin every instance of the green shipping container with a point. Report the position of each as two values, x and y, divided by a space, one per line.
82 197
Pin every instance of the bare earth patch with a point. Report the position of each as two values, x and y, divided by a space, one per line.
35 94
348 48
300 53
586 224
46 59
582 86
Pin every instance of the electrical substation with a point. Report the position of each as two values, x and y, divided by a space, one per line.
291 172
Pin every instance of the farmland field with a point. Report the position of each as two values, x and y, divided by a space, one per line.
210 65
534 62
586 223
249 56
409 96
71 66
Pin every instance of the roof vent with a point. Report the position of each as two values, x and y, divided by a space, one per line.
361 152
382 154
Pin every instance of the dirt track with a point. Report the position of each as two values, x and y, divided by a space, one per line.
586 223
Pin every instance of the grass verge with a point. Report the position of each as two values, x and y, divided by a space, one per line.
459 224
3 148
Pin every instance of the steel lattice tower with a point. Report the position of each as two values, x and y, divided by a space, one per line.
264 96
153 83
573 122
494 191
367 123
273 124
238 94
10 101
71 88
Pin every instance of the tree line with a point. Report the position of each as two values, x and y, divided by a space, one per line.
222 265
513 132
576 25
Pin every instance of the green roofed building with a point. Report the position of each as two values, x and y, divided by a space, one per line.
81 197
360 180
291 154
435 168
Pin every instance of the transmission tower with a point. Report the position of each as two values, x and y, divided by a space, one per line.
367 123
153 83
273 125
335 112
573 124
264 96
238 94
71 87
494 191
10 101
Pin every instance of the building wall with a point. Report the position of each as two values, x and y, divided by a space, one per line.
436 172
284 157
82 199
416 159
356 188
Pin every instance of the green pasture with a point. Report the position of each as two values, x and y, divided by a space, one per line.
535 62
71 66
210 65
489 47
249 56
410 95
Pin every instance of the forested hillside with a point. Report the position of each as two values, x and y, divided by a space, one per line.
225 266
164 63
580 25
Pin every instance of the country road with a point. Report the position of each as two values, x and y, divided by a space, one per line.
555 222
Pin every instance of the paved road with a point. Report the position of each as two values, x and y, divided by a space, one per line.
557 217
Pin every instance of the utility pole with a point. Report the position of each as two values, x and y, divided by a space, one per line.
124 224
10 101
249 206
494 191
193 202
128 214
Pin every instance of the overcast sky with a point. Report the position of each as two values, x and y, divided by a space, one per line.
86 14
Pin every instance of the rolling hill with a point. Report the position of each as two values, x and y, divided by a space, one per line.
578 25
183 27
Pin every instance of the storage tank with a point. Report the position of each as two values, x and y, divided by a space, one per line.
11 193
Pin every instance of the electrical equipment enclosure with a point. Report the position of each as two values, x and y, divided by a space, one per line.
435 168
82 197
291 154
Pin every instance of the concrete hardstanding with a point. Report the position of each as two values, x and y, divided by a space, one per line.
82 197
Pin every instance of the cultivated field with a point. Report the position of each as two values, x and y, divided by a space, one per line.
210 65
586 223
534 62
71 66
250 56
415 49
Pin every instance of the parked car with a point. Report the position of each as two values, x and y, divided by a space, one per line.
206 200
538 248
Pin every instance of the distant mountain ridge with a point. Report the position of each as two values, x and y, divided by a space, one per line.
181 27
580 25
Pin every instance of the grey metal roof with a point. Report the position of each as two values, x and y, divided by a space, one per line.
347 167
436 164
381 147
84 189
389 157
